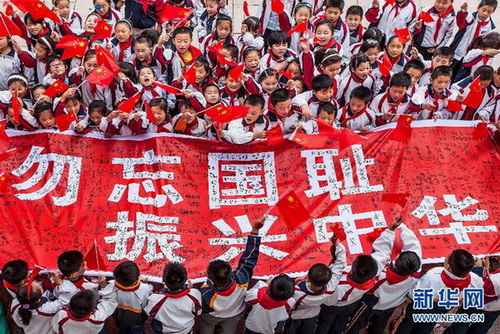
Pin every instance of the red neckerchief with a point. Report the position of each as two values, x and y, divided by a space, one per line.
266 301
489 289
478 28
9 286
44 32
394 60
128 288
393 105
79 283
453 283
191 126
106 16
362 286
229 291
439 22
195 52
357 79
123 47
152 90
177 295
333 44
351 116
74 318
392 277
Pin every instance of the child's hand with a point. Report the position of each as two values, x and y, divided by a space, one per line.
483 119
364 129
429 106
282 66
244 29
435 117
241 101
101 280
55 36
306 112
485 263
78 127
188 93
69 92
396 224
304 45
189 284
257 225
17 48
109 46
222 3
80 71
464 7
375 4
460 98
418 25
414 52
259 135
244 77
55 277
490 52
113 114
164 37
387 116
137 117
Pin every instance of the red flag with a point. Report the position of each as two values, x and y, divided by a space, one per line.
130 103
102 30
277 6
64 121
403 35
245 8
8 9
426 17
101 76
475 95
4 183
301 27
348 138
286 74
145 4
327 130
56 89
33 275
16 107
149 113
454 106
7 27
390 2
73 46
222 114
275 136
403 131
104 57
481 130
339 232
7 154
169 89
170 13
190 75
396 198
291 209
235 73
3 134
223 60
38 10
385 67
309 141
94 259
495 246
372 236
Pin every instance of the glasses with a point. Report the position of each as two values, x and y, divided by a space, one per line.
56 65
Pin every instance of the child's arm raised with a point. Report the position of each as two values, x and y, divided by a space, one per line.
244 272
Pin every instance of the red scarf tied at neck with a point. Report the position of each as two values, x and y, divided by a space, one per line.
452 283
266 301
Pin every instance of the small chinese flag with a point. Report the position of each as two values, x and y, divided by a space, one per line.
339 232
277 6
190 75
8 28
129 105
94 259
222 114
36 271
145 4
3 134
286 74
219 46
16 107
235 73
8 9
475 95
291 209
275 136
426 17
403 130
4 183
56 89
102 30
327 130
301 27
38 10
454 106
403 35
169 89
245 8
481 130
348 138
309 141
7 154
149 113
64 121
396 198
372 236
73 46
101 76
390 2
221 59
385 66
104 57
170 13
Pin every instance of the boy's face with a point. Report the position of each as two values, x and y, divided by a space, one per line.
299 86
302 14
279 49
212 95
142 51
353 21
4 42
323 34
252 61
146 76
283 108
38 95
484 83
182 42
484 12
57 67
223 29
327 118
414 74
232 84
357 105
200 74
72 106
395 48
442 5
47 120
324 95
332 13
159 114
440 83
188 114
212 7
397 92
440 61
253 114
90 23
332 70
95 117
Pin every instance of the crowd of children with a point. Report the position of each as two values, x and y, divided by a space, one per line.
290 67
331 298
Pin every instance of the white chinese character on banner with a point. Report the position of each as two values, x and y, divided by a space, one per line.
129 173
327 182
150 230
246 227
240 179
58 167
348 220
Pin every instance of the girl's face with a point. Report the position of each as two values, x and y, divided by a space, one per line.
46 119
4 42
212 7
34 28
63 8
362 70
233 85
299 86
372 54
395 48
159 114
95 117
212 95
269 84
10 112
90 23
57 67
91 64
279 49
415 75
122 32
41 51
101 6
302 14
332 70
200 74
188 114
21 88
142 52
223 29
252 61
38 95
146 76
323 34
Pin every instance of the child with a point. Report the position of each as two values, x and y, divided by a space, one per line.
143 56
268 80
371 35
86 312
209 17
186 122
35 29
322 91
333 12
456 274
202 77
235 91
251 59
58 70
174 308
327 112
221 70
222 34
10 61
224 292
280 113
141 124
71 20
327 62
470 27
431 101
96 113
324 38
147 86
250 36
123 86
388 106
359 76
442 56
43 49
353 18
429 36
271 303
132 297
253 126
104 10
355 115
415 68
271 21
301 13
70 102
480 52
394 51
72 266
26 120
279 55
44 115
123 42
396 15
212 95
14 274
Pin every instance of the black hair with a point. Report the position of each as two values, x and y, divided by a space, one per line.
441 71
295 61
494 263
400 79
47 43
367 45
77 96
444 51
407 263
210 85
268 72
182 30
43 106
128 69
249 50
255 100
319 274
484 72
70 262
233 50
38 86
99 106
252 23
219 272
202 62
126 273
147 67
358 60
83 303
184 103
326 57
361 93
89 54
355 10
174 276
277 37
55 57
280 95
376 35
301 5
328 107
17 78
144 40
25 299
461 262
321 82
416 64
489 41
29 18
15 271
327 23
335 4
393 37
161 103
224 18
124 21
281 287
364 268
492 3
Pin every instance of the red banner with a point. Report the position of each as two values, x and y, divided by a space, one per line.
159 198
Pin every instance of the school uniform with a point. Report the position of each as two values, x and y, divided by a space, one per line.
269 60
437 33
111 17
296 35
309 98
388 17
240 132
356 35
9 64
209 39
247 40
485 108
364 118
289 122
117 126
398 63
91 92
383 103
341 35
266 313
266 16
206 23
196 129
155 64
131 303
122 51
349 83
71 26
332 45
230 98
426 94
174 62
79 284
470 63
